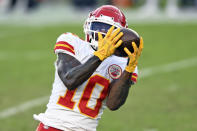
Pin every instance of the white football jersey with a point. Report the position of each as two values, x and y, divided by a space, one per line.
81 108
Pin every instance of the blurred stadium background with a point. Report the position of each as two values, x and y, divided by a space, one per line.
164 99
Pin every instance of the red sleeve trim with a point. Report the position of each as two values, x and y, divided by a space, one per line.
134 77
134 74
65 48
65 43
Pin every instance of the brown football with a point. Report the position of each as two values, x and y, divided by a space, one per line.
128 37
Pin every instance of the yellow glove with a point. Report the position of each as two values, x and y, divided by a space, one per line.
133 57
108 44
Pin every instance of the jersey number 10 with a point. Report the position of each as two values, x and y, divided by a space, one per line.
67 101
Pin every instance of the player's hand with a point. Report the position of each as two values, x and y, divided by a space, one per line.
108 44
133 57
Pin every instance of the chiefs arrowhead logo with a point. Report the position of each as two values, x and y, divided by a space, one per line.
114 71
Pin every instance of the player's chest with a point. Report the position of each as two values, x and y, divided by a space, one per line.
111 68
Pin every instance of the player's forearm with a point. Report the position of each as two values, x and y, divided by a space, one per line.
77 75
119 91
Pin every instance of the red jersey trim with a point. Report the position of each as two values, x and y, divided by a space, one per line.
65 43
134 77
65 48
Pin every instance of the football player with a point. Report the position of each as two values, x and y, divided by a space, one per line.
89 76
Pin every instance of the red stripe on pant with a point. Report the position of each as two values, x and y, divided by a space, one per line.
42 127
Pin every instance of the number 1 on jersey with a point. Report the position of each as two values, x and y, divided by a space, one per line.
67 101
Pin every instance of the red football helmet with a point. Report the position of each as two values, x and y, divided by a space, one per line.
100 20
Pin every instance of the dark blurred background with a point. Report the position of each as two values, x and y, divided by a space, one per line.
34 10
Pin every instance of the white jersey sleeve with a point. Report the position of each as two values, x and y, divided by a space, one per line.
66 43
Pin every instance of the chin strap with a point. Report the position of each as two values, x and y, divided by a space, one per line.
92 39
94 44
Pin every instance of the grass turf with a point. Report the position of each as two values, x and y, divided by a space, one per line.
162 102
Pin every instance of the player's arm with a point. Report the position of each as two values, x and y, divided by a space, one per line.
119 89
72 72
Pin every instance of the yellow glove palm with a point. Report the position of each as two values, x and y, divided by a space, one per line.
133 57
108 44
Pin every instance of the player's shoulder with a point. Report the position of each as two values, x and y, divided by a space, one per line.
69 43
68 37
66 43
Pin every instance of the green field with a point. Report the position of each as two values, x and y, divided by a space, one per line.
165 101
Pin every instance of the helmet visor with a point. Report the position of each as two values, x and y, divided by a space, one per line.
100 27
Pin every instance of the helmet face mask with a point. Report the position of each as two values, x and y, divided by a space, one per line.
101 20
96 27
